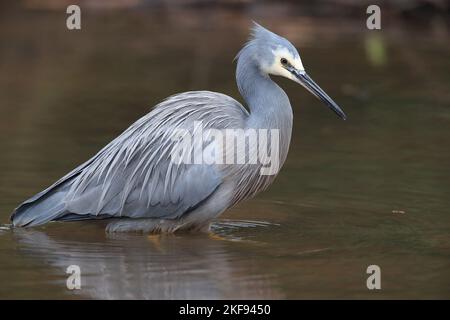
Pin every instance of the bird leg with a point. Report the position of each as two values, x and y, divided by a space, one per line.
215 236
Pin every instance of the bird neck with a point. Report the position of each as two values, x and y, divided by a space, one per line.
268 104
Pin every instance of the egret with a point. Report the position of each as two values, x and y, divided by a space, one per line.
133 181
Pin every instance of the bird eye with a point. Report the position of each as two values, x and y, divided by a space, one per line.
283 61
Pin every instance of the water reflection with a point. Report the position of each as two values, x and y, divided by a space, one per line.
148 267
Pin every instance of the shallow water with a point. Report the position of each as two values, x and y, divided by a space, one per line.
372 190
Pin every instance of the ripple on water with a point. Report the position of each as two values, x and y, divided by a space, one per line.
5 227
235 229
235 224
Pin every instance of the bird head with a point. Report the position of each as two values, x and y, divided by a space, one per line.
275 55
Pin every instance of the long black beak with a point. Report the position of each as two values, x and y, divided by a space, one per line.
312 87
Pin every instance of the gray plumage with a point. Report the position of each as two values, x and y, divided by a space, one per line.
133 181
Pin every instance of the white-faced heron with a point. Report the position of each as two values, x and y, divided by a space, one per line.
134 181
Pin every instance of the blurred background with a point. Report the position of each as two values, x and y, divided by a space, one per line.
374 189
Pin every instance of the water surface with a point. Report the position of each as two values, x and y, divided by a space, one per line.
371 190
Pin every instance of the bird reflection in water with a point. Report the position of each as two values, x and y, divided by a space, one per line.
132 266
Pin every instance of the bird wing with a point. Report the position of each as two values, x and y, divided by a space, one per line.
134 175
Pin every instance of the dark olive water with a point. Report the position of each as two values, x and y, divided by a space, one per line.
372 190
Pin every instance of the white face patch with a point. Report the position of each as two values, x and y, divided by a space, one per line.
278 69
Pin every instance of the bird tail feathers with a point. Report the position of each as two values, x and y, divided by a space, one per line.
42 209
